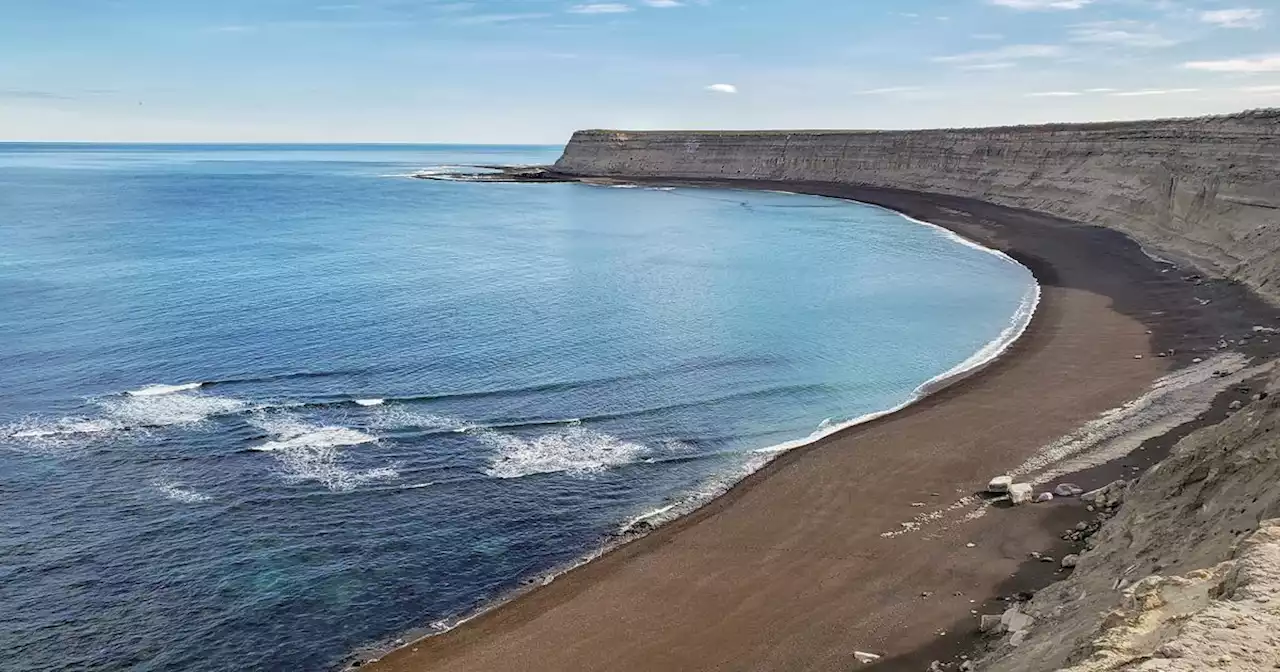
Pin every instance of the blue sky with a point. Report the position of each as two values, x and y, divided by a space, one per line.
534 70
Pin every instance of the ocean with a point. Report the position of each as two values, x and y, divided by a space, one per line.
261 406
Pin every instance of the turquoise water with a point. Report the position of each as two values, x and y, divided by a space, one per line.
262 405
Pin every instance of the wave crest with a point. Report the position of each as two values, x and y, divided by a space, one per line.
307 451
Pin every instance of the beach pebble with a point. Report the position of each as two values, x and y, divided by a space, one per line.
970 545
864 657
1197 360
1044 497
1070 561
1068 490
1137 356
1020 493
1235 405
1000 484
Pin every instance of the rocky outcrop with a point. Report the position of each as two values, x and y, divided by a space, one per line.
1201 191
1185 577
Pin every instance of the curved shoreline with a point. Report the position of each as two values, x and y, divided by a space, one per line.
631 530
476 646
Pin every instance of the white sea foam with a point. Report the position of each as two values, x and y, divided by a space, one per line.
575 450
162 410
179 492
370 402
306 451
156 390
125 413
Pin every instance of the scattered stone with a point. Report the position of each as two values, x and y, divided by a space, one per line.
917 504
1235 405
1046 558
1260 396
966 666
1108 496
1020 493
1197 360
1068 490
1035 555
1070 561
970 545
864 657
1137 356
1044 497
1013 619
936 666
926 594
1000 485
989 624
1082 526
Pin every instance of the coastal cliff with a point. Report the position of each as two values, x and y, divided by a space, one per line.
1185 574
1200 191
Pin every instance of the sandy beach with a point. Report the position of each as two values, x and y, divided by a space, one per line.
808 560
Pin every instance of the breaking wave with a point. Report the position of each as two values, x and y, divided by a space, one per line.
126 413
308 451
156 390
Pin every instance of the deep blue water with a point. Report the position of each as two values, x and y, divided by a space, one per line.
552 360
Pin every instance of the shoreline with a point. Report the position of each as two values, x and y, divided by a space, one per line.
652 520
497 619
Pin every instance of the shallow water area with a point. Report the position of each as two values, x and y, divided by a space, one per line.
263 405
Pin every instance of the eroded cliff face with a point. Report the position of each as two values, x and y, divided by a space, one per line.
1204 191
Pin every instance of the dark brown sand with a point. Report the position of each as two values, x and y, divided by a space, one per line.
790 571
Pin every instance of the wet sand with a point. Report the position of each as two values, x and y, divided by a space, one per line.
792 569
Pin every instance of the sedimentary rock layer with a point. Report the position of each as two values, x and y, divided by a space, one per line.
1204 191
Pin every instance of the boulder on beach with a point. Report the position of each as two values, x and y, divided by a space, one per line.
1021 493
1068 490
1000 485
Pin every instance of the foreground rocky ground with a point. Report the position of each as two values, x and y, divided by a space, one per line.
1185 576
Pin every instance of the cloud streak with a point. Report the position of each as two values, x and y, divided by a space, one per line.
1251 64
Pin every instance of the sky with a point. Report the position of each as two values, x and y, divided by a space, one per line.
532 71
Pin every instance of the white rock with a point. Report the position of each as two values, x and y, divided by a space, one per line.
1000 484
864 657
1070 561
1020 493
1068 490
1044 497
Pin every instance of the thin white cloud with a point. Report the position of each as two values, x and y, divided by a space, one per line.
888 90
1121 33
601 8
1153 92
1053 94
481 19
1234 18
1266 63
722 88
1270 88
663 4
1041 5
987 36
1100 90
1003 55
